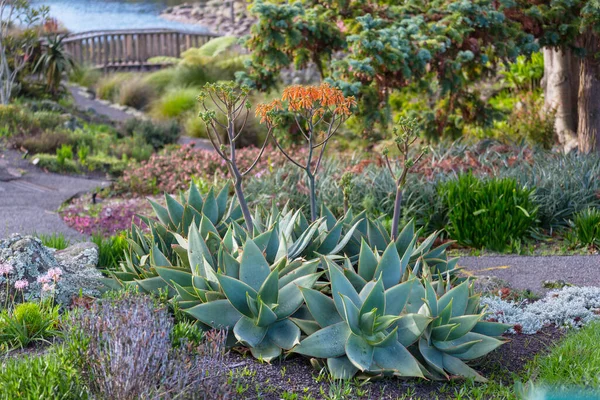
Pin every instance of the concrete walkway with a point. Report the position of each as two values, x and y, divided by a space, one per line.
30 197
529 272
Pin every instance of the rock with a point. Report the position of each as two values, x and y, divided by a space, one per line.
31 260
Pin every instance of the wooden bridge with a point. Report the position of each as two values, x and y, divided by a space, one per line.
130 49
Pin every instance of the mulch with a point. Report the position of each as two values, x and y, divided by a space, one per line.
258 380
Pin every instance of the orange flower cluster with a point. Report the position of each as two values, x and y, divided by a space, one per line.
318 99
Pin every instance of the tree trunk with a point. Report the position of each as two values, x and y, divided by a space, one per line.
588 131
559 96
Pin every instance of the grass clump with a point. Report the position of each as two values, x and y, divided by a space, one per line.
175 103
586 227
136 93
55 241
490 213
110 250
28 323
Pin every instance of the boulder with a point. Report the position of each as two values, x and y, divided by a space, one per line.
31 260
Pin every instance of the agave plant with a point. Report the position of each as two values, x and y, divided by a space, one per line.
363 331
458 332
260 299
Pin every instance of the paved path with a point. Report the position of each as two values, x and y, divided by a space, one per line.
529 272
85 103
30 197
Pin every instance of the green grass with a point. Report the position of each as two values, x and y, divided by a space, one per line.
575 361
110 250
175 103
56 241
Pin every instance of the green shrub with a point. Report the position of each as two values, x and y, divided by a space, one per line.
163 60
186 331
15 120
85 76
193 126
82 154
586 227
132 147
46 142
108 164
64 154
49 376
28 323
136 93
161 80
156 134
488 213
49 162
175 103
108 87
49 119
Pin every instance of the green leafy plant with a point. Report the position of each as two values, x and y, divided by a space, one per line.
52 375
64 154
54 62
586 227
27 323
83 152
487 213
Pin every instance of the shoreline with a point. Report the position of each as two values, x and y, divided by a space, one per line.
214 16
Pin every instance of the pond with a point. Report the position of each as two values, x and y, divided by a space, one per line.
87 15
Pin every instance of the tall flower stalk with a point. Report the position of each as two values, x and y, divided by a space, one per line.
318 111
405 136
232 103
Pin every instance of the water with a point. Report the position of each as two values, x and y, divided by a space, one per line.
89 15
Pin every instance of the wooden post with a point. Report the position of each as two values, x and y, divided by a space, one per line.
177 45
106 51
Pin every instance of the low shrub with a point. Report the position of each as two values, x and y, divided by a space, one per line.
85 76
490 213
28 323
46 142
48 376
49 119
108 87
16 120
161 80
156 134
64 154
50 163
586 226
109 164
129 355
175 103
171 171
136 93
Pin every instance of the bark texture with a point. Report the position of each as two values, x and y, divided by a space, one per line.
589 96
560 87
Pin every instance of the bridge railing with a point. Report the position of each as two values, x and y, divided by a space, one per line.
130 48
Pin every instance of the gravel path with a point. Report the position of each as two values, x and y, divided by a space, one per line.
85 103
30 197
529 272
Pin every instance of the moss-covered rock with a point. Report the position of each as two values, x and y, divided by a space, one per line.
31 260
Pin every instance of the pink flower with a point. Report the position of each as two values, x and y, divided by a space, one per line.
47 287
21 284
55 273
43 279
6 269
